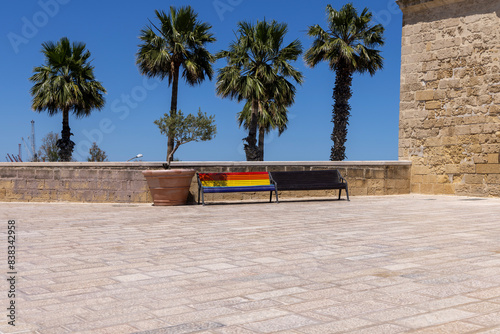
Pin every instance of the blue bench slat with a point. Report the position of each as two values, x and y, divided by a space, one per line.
238 189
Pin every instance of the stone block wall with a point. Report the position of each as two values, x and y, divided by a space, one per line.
111 182
450 101
73 182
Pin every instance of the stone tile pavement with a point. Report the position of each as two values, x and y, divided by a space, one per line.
393 264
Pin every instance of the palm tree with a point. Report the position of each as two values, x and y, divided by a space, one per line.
179 41
273 116
66 83
257 71
349 47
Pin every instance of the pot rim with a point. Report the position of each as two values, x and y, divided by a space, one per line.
168 171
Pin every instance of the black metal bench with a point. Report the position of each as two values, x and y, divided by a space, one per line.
310 180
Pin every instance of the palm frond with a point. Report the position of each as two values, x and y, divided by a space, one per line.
349 41
179 40
66 81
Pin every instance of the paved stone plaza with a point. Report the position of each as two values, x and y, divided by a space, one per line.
391 264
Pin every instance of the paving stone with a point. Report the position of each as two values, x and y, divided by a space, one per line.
218 266
434 318
353 310
340 326
451 327
184 328
111 330
222 302
491 331
490 319
455 301
232 330
381 329
275 293
252 316
131 278
281 323
392 314
482 307
256 305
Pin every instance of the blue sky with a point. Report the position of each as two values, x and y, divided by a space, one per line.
125 126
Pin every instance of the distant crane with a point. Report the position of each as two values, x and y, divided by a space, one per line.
13 158
31 149
30 153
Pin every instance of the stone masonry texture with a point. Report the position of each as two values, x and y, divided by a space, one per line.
124 182
450 102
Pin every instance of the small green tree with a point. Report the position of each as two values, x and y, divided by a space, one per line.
185 129
96 154
48 150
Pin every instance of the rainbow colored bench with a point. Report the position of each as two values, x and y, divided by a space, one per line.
235 182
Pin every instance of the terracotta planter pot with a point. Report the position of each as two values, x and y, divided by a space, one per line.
169 187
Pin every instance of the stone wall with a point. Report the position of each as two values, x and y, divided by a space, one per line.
450 101
124 182
73 182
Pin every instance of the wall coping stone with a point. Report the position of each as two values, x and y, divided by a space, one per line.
408 6
180 164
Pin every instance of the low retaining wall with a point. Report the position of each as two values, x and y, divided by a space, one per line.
123 182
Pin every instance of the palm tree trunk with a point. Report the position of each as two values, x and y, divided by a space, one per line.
173 111
262 133
65 144
251 149
341 111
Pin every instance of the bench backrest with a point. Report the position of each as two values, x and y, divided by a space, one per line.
307 180
233 179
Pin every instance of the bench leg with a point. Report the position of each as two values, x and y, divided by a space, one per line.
198 195
203 198
340 192
271 196
347 193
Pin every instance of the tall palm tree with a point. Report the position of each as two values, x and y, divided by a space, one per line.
349 47
257 70
179 41
273 116
66 83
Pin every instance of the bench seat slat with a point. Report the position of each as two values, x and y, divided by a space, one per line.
238 189
311 186
235 183
233 176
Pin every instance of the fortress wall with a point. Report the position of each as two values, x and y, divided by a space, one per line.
450 96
